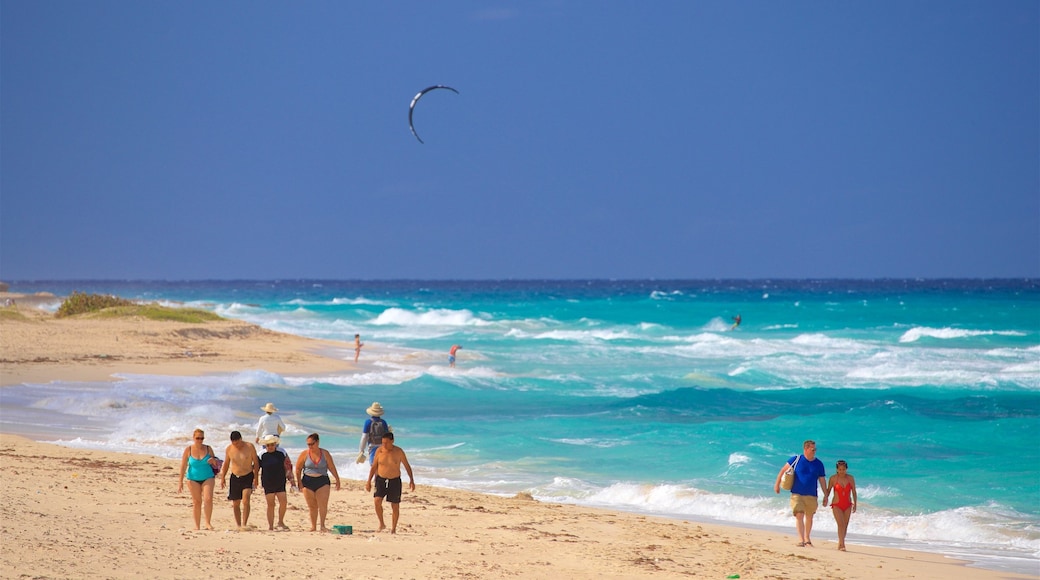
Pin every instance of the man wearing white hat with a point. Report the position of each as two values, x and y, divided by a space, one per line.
372 433
270 424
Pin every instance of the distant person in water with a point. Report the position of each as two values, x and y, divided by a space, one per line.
357 346
736 322
451 355
845 499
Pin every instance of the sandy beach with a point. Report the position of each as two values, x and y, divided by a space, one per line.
72 513
38 348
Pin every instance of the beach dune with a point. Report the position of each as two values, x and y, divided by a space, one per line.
37 347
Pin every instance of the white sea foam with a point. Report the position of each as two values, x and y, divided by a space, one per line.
821 342
662 295
586 335
435 317
386 377
716 324
919 332
738 459
237 310
477 372
360 301
962 526
588 442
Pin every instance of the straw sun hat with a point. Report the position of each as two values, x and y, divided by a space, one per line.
376 410
269 439
270 408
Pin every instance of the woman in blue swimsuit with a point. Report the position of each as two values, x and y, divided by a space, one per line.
312 471
198 464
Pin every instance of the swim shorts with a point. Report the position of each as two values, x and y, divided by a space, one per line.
803 504
451 359
315 483
239 483
389 488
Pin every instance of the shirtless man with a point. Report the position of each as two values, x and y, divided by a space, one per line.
386 466
357 346
241 459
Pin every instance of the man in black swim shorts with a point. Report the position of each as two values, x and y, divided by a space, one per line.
389 489
244 464
386 468
240 485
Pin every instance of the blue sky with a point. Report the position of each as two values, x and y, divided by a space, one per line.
620 139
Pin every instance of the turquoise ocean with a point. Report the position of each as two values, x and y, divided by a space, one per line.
634 395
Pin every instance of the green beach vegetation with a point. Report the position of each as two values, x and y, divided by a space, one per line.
11 313
107 306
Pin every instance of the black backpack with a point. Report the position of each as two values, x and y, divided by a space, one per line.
376 430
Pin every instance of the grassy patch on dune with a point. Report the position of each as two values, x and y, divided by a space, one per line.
156 312
11 313
104 306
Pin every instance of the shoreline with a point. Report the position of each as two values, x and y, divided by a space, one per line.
446 533
118 515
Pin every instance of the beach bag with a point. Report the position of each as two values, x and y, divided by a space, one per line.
220 463
787 481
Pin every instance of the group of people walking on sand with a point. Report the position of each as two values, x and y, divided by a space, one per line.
807 472
275 471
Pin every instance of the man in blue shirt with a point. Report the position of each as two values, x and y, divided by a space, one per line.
808 473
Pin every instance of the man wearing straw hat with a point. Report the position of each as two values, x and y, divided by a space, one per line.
270 424
372 433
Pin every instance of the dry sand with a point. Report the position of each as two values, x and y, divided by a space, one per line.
70 513
36 347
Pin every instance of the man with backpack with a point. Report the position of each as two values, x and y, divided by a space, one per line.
372 433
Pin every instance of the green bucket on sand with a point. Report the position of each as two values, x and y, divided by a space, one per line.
343 530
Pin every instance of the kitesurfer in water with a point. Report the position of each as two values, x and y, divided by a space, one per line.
736 322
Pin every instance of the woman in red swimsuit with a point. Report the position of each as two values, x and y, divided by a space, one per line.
845 499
